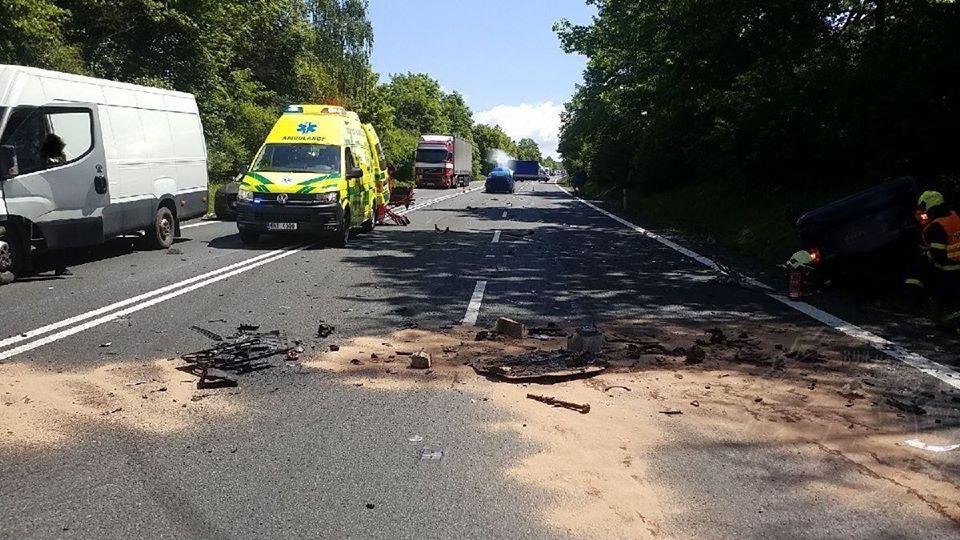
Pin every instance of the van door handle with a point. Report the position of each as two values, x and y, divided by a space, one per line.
100 184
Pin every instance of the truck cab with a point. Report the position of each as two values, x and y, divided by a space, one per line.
315 174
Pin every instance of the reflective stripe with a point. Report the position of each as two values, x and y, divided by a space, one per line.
948 267
913 282
934 245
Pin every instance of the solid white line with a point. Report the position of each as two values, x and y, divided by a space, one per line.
133 309
90 314
496 237
885 346
221 273
473 308
199 224
436 200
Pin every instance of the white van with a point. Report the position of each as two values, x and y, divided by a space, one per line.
84 159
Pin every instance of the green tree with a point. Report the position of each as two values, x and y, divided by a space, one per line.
417 102
31 34
488 140
528 149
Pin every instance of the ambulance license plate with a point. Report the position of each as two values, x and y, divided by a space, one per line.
281 226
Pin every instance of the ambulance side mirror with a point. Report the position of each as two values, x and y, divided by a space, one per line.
8 162
354 174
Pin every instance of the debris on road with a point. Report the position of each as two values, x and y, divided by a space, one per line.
929 447
587 339
246 352
420 360
107 344
428 453
906 407
248 327
415 438
609 388
334 348
510 328
582 409
206 333
695 403
324 330
551 330
670 412
541 366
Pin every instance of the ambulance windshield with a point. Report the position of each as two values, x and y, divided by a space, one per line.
297 157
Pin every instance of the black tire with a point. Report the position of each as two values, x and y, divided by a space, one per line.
164 229
342 237
249 237
13 252
369 225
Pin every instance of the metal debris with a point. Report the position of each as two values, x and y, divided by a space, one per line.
670 412
582 409
207 333
246 352
541 366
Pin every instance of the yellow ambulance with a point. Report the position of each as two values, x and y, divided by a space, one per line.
320 172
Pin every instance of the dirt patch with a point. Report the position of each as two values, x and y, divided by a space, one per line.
39 407
773 383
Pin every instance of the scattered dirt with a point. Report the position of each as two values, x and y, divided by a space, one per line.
773 384
41 408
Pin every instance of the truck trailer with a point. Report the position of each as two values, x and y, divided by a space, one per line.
525 169
443 161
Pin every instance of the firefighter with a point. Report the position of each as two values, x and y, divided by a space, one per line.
938 272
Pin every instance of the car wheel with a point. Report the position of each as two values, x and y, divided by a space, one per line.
249 237
343 235
161 235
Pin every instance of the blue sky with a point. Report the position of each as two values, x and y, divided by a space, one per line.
503 56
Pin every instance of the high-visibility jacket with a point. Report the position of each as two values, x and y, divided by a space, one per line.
941 237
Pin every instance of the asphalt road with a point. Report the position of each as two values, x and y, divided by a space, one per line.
309 454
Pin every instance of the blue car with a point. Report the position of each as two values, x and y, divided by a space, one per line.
500 180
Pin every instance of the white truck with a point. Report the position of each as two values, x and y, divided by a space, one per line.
443 161
83 160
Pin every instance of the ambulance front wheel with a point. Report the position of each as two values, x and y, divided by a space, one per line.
249 237
342 236
370 224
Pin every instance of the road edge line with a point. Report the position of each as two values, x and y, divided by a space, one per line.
881 344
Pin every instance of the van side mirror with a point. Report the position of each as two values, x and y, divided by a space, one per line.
8 162
354 174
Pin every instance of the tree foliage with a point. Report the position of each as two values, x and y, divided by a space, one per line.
762 94
528 149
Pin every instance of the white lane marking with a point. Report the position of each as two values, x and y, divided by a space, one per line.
199 224
137 307
436 200
504 214
883 345
227 271
496 237
473 308
90 314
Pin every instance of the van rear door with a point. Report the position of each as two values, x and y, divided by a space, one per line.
62 183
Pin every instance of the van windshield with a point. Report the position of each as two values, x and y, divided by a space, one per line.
298 157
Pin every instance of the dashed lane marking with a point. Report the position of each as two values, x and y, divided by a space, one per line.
473 308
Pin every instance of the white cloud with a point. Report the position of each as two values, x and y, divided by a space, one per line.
540 122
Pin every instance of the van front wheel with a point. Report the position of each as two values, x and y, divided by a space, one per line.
161 235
